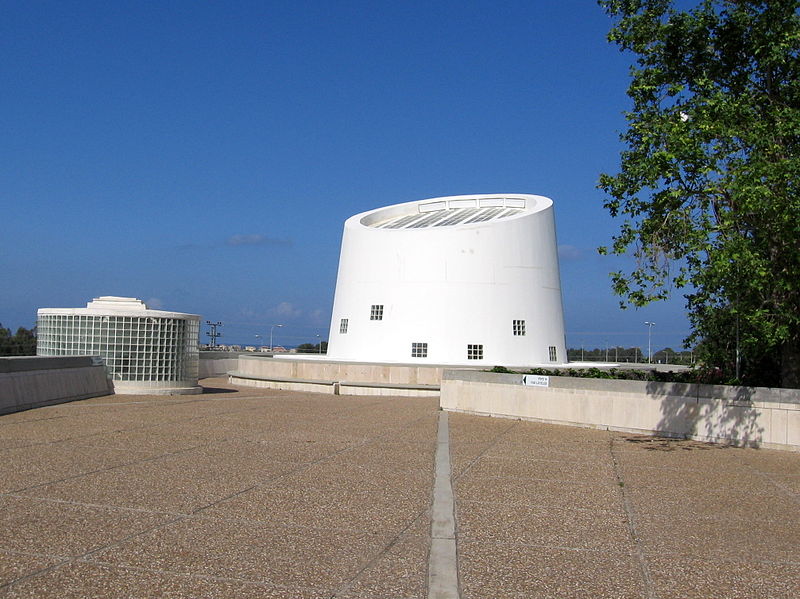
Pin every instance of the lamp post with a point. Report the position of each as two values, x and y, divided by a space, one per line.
272 347
650 326
320 343
259 341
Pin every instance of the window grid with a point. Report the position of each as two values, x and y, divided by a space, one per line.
376 312
518 327
135 348
553 353
343 326
475 351
419 350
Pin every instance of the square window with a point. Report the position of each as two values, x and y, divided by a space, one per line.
376 312
475 352
518 327
343 326
553 354
419 350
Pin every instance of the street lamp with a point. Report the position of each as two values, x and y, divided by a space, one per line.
650 326
320 343
272 347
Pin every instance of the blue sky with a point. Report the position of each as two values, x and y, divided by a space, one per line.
204 156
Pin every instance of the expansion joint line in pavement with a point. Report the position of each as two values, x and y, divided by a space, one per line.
443 561
631 520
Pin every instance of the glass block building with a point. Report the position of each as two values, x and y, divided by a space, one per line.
145 351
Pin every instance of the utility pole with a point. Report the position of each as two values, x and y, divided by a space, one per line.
213 333
650 326
272 347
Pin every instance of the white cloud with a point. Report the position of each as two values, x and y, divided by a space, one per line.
286 310
317 316
569 252
241 239
154 303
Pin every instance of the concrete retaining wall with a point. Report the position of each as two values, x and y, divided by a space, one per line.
214 363
31 382
737 415
330 376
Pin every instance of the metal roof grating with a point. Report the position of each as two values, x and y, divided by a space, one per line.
448 218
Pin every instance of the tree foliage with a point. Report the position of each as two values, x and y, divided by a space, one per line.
22 343
311 348
708 180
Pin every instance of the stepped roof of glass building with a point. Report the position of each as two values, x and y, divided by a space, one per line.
118 306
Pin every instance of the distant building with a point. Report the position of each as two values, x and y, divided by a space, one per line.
145 351
469 280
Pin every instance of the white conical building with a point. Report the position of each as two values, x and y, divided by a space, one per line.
470 279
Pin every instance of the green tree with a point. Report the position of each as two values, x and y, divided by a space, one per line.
311 348
5 341
22 343
708 179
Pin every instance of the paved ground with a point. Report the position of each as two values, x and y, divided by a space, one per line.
259 493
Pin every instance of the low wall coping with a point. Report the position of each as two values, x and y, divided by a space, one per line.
278 379
296 358
419 386
729 393
223 355
28 363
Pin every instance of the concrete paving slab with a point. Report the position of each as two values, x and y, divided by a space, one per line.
178 483
703 578
720 538
653 478
151 441
23 467
789 482
80 580
471 429
553 435
772 462
666 503
15 565
554 493
394 456
544 526
256 492
549 468
58 529
399 572
373 510
463 455
500 570
252 551
761 502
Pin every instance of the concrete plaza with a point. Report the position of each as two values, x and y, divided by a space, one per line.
244 492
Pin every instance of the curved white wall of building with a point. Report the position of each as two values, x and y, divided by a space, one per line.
474 277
